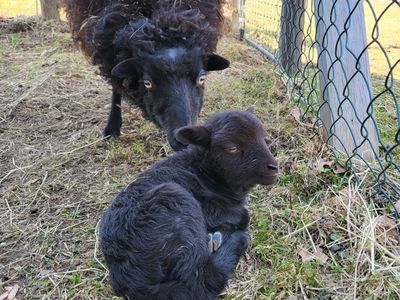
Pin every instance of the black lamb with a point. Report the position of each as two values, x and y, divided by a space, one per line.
178 231
155 53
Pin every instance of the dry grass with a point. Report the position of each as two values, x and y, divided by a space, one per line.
57 175
13 8
353 256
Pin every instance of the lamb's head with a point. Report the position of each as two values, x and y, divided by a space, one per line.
235 149
171 85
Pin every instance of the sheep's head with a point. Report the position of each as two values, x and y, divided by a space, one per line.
171 85
236 152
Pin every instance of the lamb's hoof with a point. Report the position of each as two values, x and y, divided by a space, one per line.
214 241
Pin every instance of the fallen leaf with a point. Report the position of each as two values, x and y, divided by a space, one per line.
13 292
305 255
308 256
334 236
125 167
322 164
296 114
248 257
321 255
44 273
10 293
388 227
339 170
336 248
343 254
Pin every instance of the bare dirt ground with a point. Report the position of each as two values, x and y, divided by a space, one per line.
314 235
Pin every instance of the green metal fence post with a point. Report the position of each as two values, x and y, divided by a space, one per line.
345 79
291 34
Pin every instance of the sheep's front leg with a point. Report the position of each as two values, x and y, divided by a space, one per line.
113 127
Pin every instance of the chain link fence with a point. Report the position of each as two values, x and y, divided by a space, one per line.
341 60
15 8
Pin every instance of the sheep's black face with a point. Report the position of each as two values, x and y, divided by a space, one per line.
236 149
171 85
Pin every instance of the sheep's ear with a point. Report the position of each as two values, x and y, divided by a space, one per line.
214 62
126 69
194 135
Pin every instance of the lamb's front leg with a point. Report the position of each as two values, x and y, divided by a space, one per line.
221 264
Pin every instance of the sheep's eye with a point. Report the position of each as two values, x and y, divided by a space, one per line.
147 83
201 79
232 149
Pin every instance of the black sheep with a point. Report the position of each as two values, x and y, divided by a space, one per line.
178 231
155 53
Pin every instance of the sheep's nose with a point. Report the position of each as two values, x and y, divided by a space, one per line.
272 167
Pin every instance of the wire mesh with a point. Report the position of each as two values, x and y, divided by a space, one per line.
15 8
342 62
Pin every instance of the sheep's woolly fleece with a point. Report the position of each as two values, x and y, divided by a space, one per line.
109 32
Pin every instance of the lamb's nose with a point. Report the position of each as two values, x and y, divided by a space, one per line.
272 167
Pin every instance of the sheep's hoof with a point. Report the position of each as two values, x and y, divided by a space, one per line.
214 241
111 133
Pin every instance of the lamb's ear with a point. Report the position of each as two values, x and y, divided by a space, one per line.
194 135
214 62
126 69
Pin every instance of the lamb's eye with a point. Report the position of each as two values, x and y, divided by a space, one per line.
147 83
232 149
201 79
